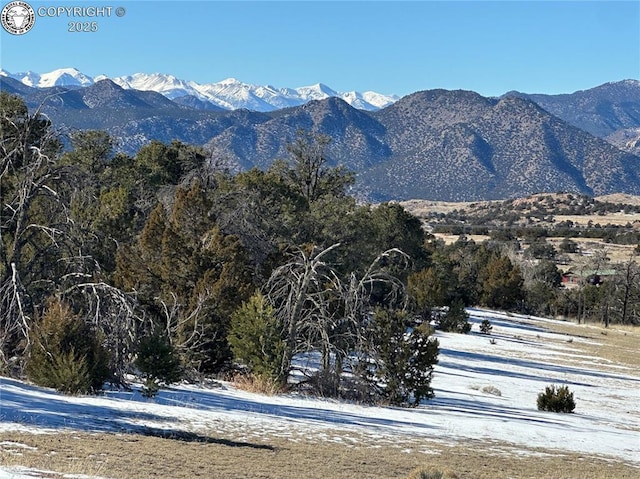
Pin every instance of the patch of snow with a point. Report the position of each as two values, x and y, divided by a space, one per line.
525 359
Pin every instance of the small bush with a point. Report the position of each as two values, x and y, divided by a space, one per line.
430 473
150 388
66 352
485 326
256 340
494 391
404 363
556 399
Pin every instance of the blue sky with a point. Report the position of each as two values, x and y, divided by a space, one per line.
387 46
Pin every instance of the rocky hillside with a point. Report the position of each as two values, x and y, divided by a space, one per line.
610 111
446 145
458 146
436 144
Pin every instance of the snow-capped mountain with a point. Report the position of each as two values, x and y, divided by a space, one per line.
61 77
233 94
230 94
168 85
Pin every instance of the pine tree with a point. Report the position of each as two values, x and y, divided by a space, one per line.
190 276
501 284
404 355
486 327
456 319
158 362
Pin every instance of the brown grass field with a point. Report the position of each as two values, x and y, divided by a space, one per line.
124 456
326 455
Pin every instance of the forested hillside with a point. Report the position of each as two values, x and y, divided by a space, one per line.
168 265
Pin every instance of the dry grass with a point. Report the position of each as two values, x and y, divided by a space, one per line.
430 472
257 384
494 391
617 253
619 344
620 198
124 456
450 239
423 208
608 219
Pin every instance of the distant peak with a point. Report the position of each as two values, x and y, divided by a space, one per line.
230 81
319 87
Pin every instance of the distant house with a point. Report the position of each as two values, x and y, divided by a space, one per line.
587 276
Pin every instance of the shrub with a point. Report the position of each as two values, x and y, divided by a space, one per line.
494 391
556 399
158 362
429 472
485 326
66 352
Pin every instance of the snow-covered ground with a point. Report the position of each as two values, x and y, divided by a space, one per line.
486 389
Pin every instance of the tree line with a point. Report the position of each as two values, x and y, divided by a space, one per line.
167 265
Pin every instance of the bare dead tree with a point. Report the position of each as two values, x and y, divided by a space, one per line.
357 299
175 322
31 215
318 310
242 213
295 290
116 316
14 320
628 284
309 158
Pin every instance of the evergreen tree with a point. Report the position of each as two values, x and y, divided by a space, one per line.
190 276
404 355
256 339
67 353
429 288
455 319
33 221
309 173
158 362
501 284
485 326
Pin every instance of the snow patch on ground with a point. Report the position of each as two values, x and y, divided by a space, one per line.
484 392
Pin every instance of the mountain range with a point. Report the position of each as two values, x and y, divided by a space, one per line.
435 144
610 111
229 94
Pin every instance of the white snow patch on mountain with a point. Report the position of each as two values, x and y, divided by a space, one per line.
59 77
230 93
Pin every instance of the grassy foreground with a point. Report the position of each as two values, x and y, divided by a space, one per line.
129 456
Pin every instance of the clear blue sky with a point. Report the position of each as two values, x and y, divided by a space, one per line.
387 46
